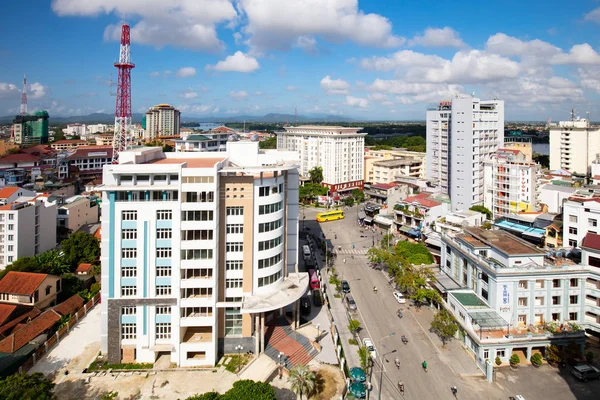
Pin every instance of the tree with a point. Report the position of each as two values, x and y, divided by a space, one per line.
53 262
80 247
424 295
112 395
363 355
444 325
387 241
249 389
514 360
354 326
309 190
536 360
316 175
302 380
23 386
359 195
23 264
268 143
206 396
483 210
349 201
553 354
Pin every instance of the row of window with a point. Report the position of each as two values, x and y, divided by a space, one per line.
198 179
269 262
160 310
199 197
267 280
148 195
132 215
237 210
206 215
197 254
146 178
235 283
556 283
233 265
130 291
539 301
270 226
270 208
162 331
267 190
269 244
234 247
198 234
235 228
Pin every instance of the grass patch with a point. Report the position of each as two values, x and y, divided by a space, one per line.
337 296
353 342
236 363
100 365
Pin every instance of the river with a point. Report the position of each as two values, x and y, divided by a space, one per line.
541 148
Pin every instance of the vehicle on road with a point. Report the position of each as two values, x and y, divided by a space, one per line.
368 343
351 304
399 297
305 306
306 252
345 287
330 215
585 372
317 298
314 279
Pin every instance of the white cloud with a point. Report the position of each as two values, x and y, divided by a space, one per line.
186 72
306 43
505 45
279 24
579 54
37 90
7 88
593 16
254 107
232 112
154 74
238 62
529 90
403 58
239 95
258 93
438 37
356 102
189 94
589 78
291 88
378 97
197 108
334 86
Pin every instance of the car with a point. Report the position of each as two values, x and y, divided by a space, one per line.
399 297
351 304
345 287
368 343
317 299
305 305
585 372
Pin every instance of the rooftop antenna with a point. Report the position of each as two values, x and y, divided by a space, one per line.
572 114
123 104
23 110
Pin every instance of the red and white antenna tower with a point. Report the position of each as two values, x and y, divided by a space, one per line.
24 97
123 109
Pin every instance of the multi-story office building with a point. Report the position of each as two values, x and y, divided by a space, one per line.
581 215
199 250
338 150
372 156
212 140
161 120
31 129
511 297
461 135
574 145
511 183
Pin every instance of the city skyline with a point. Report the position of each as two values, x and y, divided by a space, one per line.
363 60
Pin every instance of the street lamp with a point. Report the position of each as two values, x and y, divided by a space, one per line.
384 356
381 369
239 349
318 332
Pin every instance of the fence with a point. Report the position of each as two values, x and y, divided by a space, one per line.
59 335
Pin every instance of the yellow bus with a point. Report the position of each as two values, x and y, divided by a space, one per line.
330 215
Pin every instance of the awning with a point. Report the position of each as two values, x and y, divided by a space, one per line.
405 229
368 220
414 232
433 242
535 235
382 220
361 215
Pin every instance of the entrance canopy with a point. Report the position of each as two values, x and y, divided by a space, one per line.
288 291
488 319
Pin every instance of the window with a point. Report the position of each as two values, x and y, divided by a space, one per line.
522 284
235 246
128 310
199 234
233 283
573 316
270 208
236 228
263 191
269 244
268 280
523 301
163 310
233 299
163 330
11 227
501 353
269 226
128 291
163 252
128 331
269 262
197 254
163 271
555 316
486 354
574 282
48 288
199 197
198 179
555 283
194 312
572 243
197 273
539 284
128 272
163 290
197 292
573 299
522 319
12 216
233 265
164 233
555 300
11 247
206 215
235 210
11 238
129 253
129 215
128 234
594 261
573 218
164 215
592 222
233 321
573 230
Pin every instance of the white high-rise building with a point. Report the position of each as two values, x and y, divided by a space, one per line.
199 251
338 150
161 120
461 134
574 145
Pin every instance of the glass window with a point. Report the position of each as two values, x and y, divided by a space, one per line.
163 330
128 331
233 321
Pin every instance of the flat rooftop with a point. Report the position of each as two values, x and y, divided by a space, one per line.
469 300
397 162
191 162
503 241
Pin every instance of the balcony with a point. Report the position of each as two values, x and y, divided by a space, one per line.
194 334
195 321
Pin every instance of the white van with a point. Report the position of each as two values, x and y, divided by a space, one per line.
399 297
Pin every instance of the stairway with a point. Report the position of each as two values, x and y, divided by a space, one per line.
280 337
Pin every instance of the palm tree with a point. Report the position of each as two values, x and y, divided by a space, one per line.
302 380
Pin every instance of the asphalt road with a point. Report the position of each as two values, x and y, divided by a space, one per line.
378 312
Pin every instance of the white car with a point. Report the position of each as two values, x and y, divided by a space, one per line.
399 297
368 343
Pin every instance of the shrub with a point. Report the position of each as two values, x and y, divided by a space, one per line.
498 361
514 359
352 342
589 357
536 359
553 354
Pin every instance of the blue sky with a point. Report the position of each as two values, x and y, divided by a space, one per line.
377 59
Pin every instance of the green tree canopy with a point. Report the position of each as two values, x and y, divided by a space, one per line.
23 264
268 143
302 380
359 195
316 175
244 389
349 201
310 190
24 386
80 247
483 210
444 325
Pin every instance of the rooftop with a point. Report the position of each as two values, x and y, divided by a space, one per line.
23 283
6 192
29 332
384 186
72 141
190 162
83 267
469 300
5 311
289 290
591 241
69 306
17 158
397 162
422 199
83 152
503 241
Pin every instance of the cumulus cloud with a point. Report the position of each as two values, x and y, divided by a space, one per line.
589 78
186 72
238 62
579 54
334 86
356 102
239 95
438 37
291 88
189 93
505 45
154 74
593 16
37 90
7 88
403 58
197 108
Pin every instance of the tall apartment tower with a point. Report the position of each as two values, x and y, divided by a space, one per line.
161 120
574 145
461 135
199 251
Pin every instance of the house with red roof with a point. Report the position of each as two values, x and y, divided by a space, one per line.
10 194
415 213
28 332
29 289
19 160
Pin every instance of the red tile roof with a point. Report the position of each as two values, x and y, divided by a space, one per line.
6 192
591 241
17 158
98 234
23 283
38 149
222 129
83 152
73 141
5 311
384 186
70 305
29 332
422 199
7 327
84 267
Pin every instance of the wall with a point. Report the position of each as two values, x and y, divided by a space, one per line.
81 213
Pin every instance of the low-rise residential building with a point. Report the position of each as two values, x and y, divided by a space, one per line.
30 289
373 155
19 160
580 217
212 140
11 193
382 193
77 212
88 161
415 213
62 145
104 139
457 221
386 171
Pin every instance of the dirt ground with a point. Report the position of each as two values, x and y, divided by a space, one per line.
330 384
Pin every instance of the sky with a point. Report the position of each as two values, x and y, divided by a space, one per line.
375 59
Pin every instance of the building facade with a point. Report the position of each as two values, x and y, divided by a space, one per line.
574 145
77 212
338 150
161 120
212 140
386 171
461 135
30 289
580 217
198 252
375 156
31 129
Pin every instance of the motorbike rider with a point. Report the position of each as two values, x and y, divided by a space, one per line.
424 365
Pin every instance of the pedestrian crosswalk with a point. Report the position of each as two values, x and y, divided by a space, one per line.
351 251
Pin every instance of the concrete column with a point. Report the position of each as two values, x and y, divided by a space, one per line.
262 331
256 335
297 319
529 349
